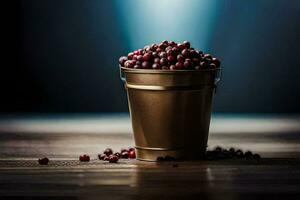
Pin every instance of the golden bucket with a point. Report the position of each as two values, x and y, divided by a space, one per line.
170 111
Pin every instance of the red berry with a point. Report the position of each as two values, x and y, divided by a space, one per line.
139 58
122 60
146 65
137 67
168 48
181 46
212 65
147 56
187 63
154 54
153 47
131 149
256 156
195 61
84 158
180 58
197 54
43 161
159 49
162 46
130 56
175 50
101 156
207 56
128 64
134 57
124 154
165 42
163 61
197 67
156 60
106 158
216 62
113 159
117 154
131 154
162 54
179 65
156 66
108 151
186 44
172 43
172 67
202 64
147 48
185 53
140 51
193 54
169 52
123 150
171 58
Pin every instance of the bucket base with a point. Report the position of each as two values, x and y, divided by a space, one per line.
151 154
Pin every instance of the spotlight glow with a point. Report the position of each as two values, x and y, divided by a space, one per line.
145 22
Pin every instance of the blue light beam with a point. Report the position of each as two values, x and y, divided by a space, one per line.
144 21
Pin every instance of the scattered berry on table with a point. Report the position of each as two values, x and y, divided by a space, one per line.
101 156
131 149
108 151
43 161
248 155
123 150
117 154
239 153
113 158
84 158
256 156
125 154
131 154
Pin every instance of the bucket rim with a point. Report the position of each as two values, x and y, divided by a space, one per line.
155 71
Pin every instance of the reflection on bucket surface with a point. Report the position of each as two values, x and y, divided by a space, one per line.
170 111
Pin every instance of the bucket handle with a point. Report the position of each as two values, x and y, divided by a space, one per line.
122 75
217 79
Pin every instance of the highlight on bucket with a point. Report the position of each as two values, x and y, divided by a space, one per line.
170 89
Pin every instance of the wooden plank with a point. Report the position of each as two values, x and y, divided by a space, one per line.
276 176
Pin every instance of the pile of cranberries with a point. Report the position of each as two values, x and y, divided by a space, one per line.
112 157
168 55
107 155
221 153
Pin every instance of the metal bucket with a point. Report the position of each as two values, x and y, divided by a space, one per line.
170 111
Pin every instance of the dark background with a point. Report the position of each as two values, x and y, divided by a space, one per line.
61 55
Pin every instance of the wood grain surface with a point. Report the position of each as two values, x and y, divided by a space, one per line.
63 139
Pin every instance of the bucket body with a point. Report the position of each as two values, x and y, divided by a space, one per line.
170 111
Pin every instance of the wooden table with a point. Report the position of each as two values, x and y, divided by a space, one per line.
23 139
